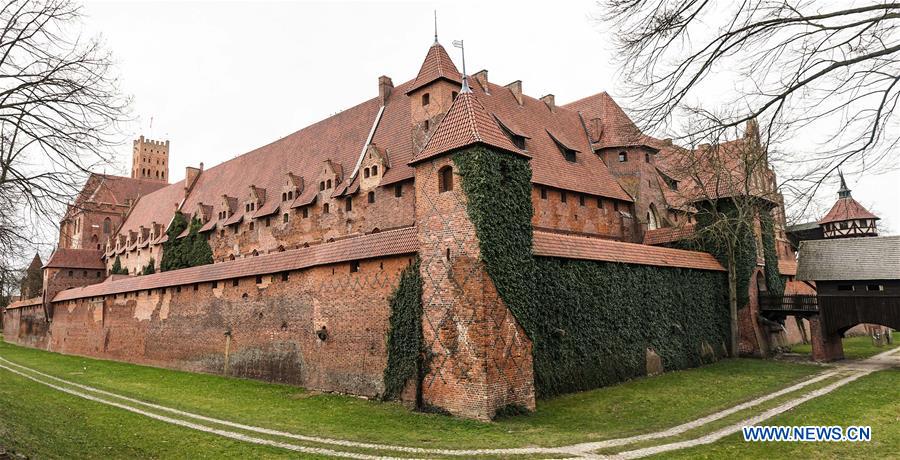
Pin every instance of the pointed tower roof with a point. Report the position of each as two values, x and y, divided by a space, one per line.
846 208
36 262
466 123
437 65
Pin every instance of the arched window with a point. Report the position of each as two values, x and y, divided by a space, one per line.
325 208
285 218
445 179
371 197
366 172
291 195
107 225
375 170
426 99
652 221
94 239
328 183
348 205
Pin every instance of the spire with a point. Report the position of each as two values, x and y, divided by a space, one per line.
435 28
843 192
466 123
465 80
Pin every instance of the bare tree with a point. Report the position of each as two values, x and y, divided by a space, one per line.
724 176
60 110
824 67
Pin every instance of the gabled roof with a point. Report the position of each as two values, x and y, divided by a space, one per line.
437 65
466 123
847 259
846 209
76 258
615 127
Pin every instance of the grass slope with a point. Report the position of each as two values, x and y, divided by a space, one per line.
632 407
859 347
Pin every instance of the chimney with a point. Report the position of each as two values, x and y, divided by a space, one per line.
516 89
550 100
385 85
190 177
482 78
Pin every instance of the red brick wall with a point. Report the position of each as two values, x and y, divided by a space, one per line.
479 358
550 212
26 326
273 326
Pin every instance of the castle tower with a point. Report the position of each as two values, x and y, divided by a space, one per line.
431 94
150 160
847 217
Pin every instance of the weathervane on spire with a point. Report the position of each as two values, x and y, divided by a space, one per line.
465 80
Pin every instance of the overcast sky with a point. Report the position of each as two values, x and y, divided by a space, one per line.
219 79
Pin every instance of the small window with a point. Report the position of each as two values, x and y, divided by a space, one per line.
647 157
366 172
258 279
615 206
305 212
398 190
321 186
177 289
325 208
328 184
71 273
348 204
290 195
251 226
371 197
454 94
874 287
285 218
426 99
543 193
569 155
354 266
445 179
236 229
375 170
426 125
98 274
268 221
283 196
581 200
196 287
215 284
235 282
623 157
284 276
599 203
562 196
845 287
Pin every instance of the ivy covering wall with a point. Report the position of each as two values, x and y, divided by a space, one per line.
590 322
724 213
774 281
189 251
404 342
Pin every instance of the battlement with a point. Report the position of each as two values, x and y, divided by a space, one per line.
150 160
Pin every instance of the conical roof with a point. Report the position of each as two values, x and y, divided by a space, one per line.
466 123
846 208
437 65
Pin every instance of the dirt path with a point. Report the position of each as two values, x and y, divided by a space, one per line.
202 423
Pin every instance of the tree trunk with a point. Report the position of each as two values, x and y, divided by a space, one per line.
732 305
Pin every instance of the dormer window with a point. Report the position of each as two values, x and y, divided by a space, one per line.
454 94
569 155
366 173
426 99
374 170
623 157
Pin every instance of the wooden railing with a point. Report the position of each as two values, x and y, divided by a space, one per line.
789 303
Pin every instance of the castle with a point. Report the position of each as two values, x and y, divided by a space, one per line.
466 187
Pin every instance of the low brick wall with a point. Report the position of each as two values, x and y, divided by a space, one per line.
267 324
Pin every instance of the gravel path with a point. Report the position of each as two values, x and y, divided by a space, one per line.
202 423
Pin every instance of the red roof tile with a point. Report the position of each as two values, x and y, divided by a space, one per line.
25 303
580 247
466 123
437 65
847 209
668 234
386 243
787 267
76 258
616 128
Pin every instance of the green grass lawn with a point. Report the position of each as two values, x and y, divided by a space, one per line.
873 400
858 347
637 406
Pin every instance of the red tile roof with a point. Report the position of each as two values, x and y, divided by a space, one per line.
25 303
391 242
616 128
76 258
580 247
668 234
466 123
437 65
846 209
